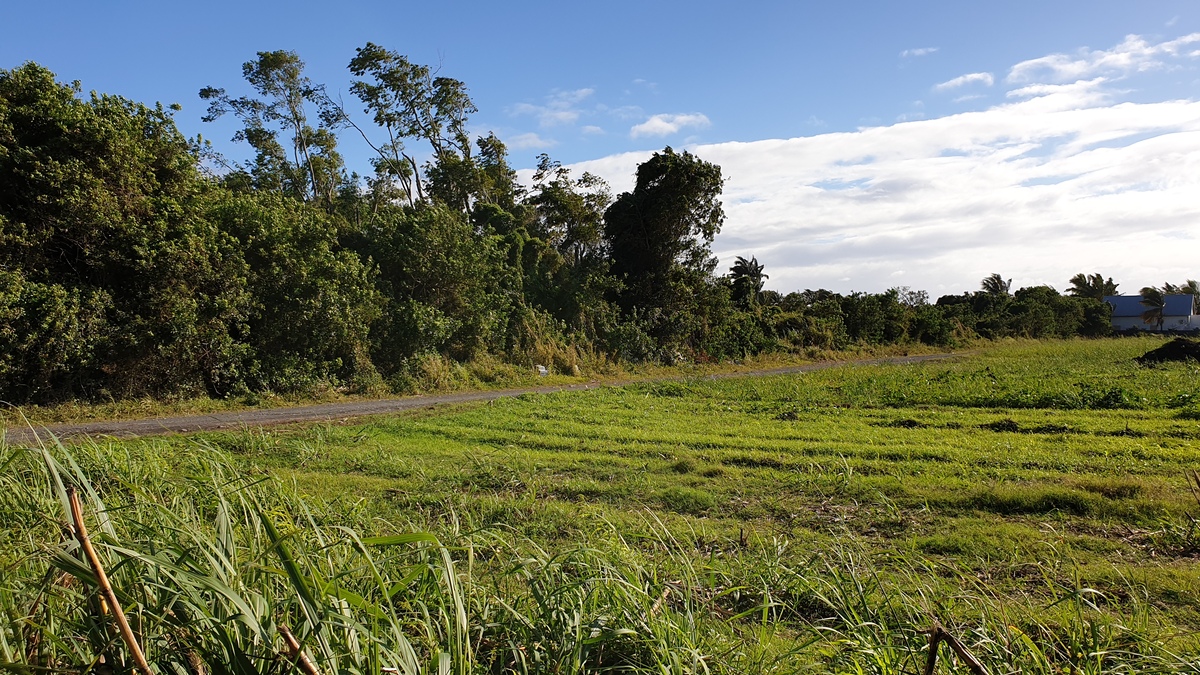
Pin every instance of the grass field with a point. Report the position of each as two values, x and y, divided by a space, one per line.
1031 497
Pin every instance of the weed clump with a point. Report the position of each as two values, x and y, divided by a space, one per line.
1007 425
686 500
747 462
1113 487
683 466
1019 500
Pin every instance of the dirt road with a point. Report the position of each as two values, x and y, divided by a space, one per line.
338 412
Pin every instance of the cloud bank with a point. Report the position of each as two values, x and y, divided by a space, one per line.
1062 178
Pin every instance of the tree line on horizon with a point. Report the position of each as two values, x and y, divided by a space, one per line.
137 262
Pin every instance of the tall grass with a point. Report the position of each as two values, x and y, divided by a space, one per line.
210 561
210 564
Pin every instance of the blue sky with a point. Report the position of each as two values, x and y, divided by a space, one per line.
1034 139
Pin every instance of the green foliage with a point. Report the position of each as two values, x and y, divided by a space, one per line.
995 284
409 102
746 278
312 170
1093 286
48 336
1033 312
442 283
101 237
313 302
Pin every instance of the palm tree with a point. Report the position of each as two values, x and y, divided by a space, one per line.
747 278
1154 301
1091 286
996 285
1190 287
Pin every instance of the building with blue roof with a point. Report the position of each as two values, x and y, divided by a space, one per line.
1178 313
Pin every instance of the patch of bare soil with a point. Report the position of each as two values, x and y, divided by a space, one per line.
1179 349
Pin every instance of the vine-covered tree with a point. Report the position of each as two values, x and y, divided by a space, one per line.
659 238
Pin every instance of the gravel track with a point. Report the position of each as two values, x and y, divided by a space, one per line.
340 412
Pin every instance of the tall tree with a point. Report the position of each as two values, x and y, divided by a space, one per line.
314 171
666 224
569 212
408 101
1093 286
747 278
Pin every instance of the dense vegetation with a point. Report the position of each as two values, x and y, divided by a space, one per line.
1032 497
137 262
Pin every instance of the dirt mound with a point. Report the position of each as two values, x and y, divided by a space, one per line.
1179 349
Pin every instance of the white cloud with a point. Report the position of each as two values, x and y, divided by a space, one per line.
650 86
921 51
1133 55
1060 179
625 112
665 124
962 80
592 130
561 107
571 97
1081 94
530 141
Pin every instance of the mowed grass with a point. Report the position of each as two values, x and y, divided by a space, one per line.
1032 496
1002 433
1024 453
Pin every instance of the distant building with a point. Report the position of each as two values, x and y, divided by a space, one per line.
1178 313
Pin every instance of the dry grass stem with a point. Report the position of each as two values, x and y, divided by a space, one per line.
938 634
106 589
296 653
